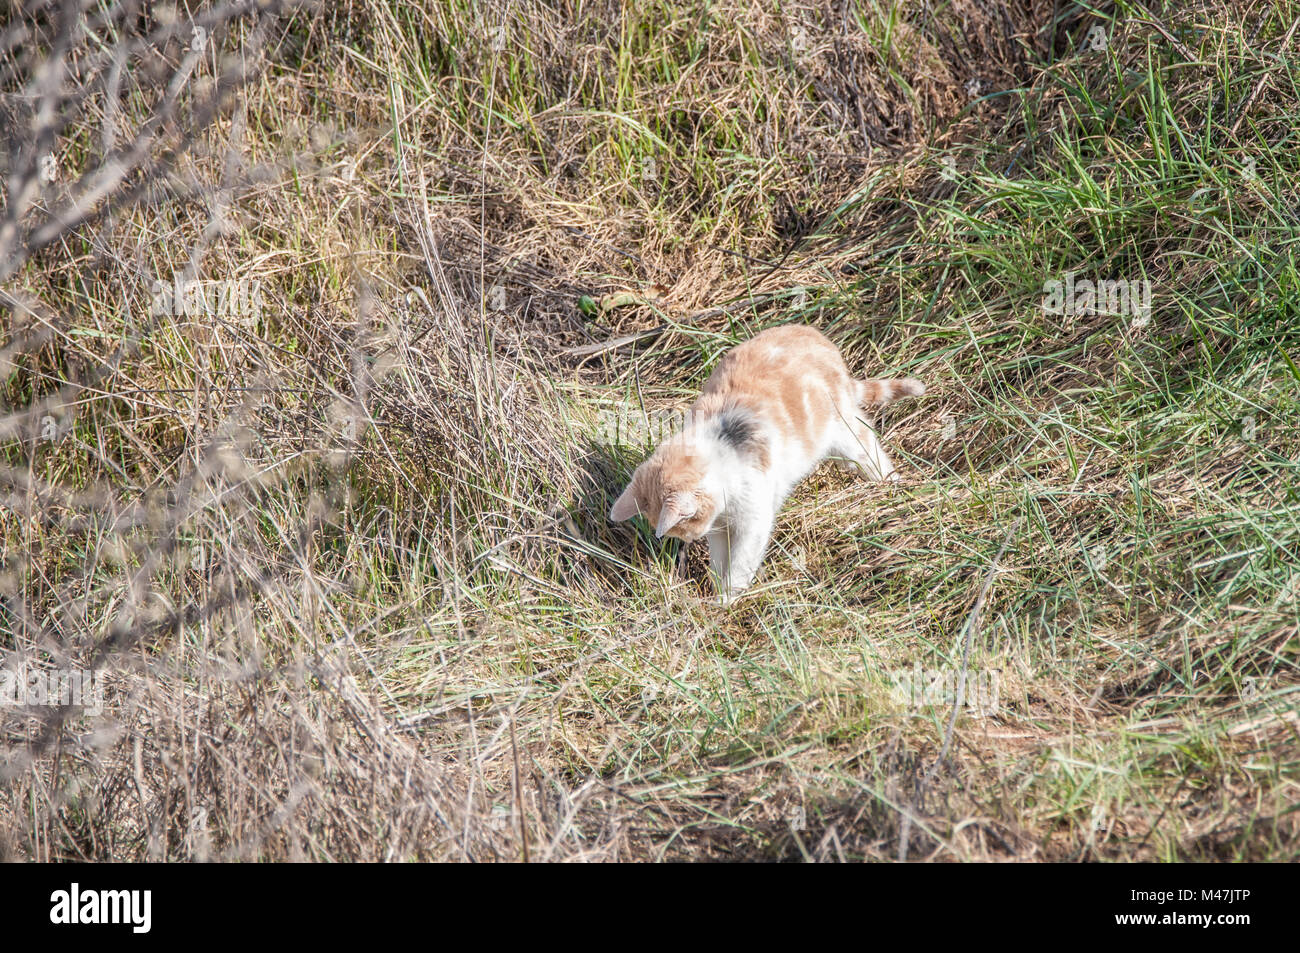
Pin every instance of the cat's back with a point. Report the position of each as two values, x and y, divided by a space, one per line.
779 363
793 376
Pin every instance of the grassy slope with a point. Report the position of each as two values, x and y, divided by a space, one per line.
737 173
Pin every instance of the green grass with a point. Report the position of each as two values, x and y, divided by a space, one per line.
555 671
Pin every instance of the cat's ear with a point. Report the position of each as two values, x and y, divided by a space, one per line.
675 509
626 506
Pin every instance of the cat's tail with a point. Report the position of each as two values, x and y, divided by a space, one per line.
886 390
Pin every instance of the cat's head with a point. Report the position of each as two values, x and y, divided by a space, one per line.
671 490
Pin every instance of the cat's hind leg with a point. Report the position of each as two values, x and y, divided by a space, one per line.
857 442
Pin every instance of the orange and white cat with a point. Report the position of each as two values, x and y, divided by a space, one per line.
773 408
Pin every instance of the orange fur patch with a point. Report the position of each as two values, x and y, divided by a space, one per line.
792 375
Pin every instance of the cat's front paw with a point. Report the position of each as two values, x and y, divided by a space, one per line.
729 593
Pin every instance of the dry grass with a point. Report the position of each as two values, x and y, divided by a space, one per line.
347 567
